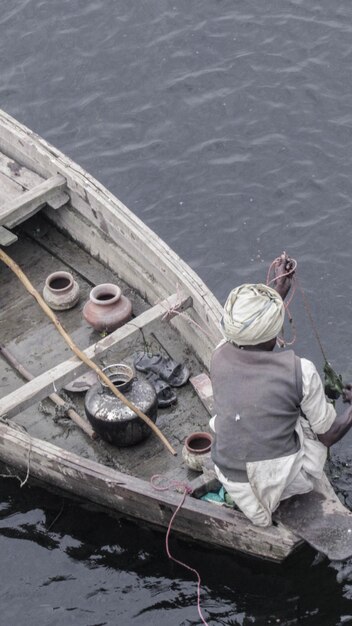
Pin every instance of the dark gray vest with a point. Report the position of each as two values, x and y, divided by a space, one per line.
257 396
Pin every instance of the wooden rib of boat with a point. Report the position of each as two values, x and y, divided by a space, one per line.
55 216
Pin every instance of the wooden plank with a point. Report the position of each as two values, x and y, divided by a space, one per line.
68 252
7 237
29 202
197 520
319 520
9 189
21 144
42 385
15 179
203 388
18 173
57 199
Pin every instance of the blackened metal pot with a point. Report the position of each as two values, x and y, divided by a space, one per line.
110 417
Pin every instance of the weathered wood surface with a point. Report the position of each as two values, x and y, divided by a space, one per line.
46 383
97 483
7 237
54 397
20 207
203 388
320 519
107 229
67 252
19 175
9 188
15 180
25 340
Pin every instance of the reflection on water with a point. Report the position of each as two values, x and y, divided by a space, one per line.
227 128
107 571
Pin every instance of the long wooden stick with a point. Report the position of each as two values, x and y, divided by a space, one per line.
54 397
76 350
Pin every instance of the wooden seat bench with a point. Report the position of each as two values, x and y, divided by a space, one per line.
23 193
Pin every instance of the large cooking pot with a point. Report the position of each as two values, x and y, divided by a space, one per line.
110 417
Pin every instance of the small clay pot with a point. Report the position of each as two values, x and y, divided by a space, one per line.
107 309
196 450
61 291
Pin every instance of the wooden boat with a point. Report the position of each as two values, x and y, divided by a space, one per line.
53 215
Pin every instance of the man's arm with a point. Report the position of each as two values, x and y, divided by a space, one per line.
319 413
341 424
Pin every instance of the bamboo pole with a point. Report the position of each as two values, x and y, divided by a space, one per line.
54 397
77 351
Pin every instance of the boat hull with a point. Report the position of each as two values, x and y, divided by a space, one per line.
117 492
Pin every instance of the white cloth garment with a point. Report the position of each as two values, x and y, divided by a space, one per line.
252 314
277 479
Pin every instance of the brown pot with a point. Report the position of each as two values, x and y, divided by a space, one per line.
107 309
199 443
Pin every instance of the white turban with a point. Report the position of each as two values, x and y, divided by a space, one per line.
252 314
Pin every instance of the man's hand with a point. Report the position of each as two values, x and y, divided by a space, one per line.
284 270
342 423
347 393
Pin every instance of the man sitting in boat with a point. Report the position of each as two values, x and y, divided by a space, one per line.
273 423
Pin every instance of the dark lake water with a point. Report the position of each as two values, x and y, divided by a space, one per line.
227 127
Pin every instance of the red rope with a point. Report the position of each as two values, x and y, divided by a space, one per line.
186 490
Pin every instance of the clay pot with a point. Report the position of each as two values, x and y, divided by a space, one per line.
196 450
61 291
107 309
110 417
